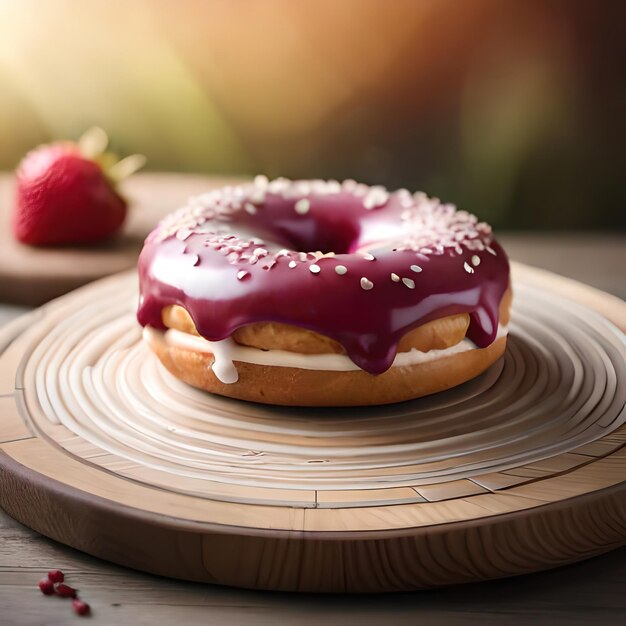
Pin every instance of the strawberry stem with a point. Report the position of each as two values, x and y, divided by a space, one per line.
127 166
93 142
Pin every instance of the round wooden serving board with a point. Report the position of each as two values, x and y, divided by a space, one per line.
35 275
521 469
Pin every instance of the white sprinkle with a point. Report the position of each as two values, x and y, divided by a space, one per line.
409 283
183 234
468 268
340 269
261 181
491 250
333 186
475 260
258 196
376 196
369 257
360 190
302 206
395 278
242 274
416 268
300 188
292 264
250 208
318 254
279 185
366 284
314 269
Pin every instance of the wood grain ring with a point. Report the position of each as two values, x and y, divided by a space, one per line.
521 469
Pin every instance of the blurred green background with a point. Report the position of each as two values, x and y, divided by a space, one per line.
511 109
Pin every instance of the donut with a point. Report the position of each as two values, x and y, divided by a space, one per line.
321 293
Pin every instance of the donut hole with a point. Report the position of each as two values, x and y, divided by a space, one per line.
336 233
340 239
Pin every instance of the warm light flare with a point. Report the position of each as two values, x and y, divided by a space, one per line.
475 100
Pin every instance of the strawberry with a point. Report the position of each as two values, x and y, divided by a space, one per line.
66 192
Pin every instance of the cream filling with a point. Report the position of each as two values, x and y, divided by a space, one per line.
227 351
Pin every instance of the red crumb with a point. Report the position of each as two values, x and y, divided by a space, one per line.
46 586
56 576
80 607
65 591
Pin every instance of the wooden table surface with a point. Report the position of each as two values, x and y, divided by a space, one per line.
591 592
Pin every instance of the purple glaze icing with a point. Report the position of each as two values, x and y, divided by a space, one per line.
231 258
